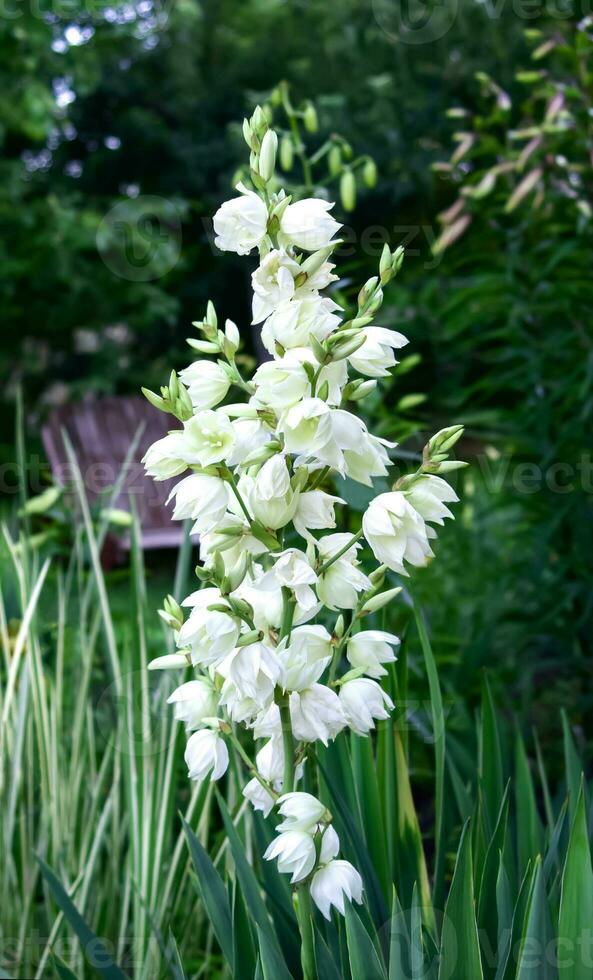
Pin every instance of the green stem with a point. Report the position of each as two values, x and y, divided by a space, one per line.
319 478
305 920
283 702
251 767
237 493
327 564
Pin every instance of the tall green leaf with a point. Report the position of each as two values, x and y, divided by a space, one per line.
534 961
576 900
101 959
460 947
213 893
364 959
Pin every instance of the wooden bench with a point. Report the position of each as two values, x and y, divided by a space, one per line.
101 433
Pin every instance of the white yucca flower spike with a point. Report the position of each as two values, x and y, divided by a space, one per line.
258 457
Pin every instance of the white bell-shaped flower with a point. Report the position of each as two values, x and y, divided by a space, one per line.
314 512
332 884
304 657
429 497
208 438
272 499
339 586
210 634
241 223
201 497
295 852
370 649
273 283
163 459
207 383
396 532
316 714
301 811
293 322
194 701
206 754
364 701
308 224
375 357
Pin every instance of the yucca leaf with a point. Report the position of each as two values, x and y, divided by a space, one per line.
358 850
251 889
365 770
536 941
326 965
213 893
438 734
273 966
364 959
410 857
399 943
101 961
572 764
417 965
243 947
506 962
490 763
576 901
487 894
553 847
62 969
460 947
529 828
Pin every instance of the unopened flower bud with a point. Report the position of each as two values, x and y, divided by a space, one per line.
267 155
334 160
369 172
310 118
377 602
286 152
348 190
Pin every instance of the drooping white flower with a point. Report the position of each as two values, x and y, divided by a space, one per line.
248 435
206 754
164 459
339 586
330 845
396 532
266 602
332 377
253 670
291 569
210 634
308 224
429 496
304 657
273 283
194 701
281 383
333 883
231 548
269 762
363 701
368 460
301 811
316 713
307 427
273 501
207 383
370 649
295 852
292 323
314 512
201 497
375 357
241 223
207 438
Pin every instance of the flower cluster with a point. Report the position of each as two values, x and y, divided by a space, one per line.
275 634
